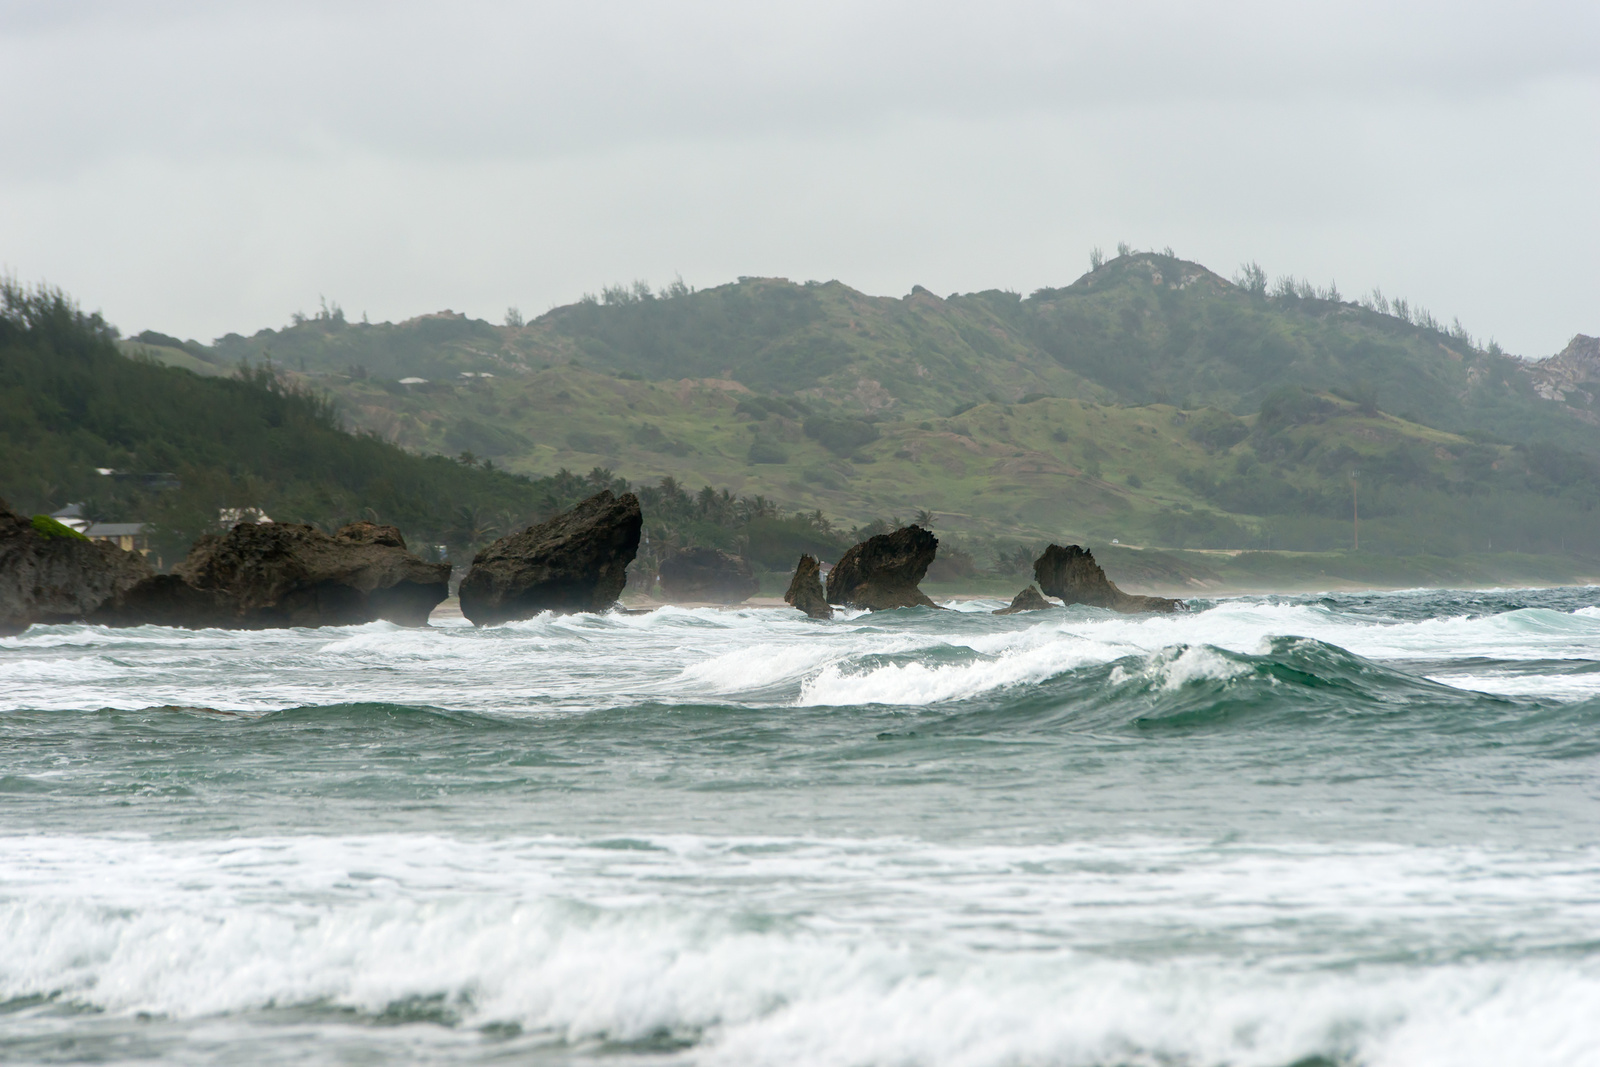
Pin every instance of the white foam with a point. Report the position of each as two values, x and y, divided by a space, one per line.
1567 688
917 683
753 655
778 951
1172 669
757 667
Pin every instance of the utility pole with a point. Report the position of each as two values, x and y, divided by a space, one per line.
1355 507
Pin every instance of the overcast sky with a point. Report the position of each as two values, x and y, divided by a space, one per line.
200 168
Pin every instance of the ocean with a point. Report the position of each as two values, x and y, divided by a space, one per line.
1348 829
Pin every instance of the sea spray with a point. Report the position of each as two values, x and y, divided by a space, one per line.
1345 829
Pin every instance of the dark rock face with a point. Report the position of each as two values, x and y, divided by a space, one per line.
805 589
576 561
279 574
883 571
707 574
1027 600
168 600
1072 574
57 579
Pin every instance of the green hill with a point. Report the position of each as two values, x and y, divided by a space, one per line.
177 448
1142 329
1151 402
1153 474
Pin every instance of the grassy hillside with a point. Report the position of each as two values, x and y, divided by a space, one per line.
1142 329
1151 401
1149 474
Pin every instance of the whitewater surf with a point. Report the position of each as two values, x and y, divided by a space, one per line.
1346 829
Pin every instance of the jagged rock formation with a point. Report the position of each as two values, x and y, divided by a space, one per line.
805 589
277 574
1072 575
1563 377
57 579
708 574
576 561
883 571
1027 600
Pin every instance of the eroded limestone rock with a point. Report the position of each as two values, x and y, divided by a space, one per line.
883 571
574 562
1071 574
805 589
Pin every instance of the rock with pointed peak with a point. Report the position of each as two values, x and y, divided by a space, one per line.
805 589
883 571
1072 575
574 562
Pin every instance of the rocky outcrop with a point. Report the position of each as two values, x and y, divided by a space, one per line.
1027 600
576 561
1563 376
277 574
707 574
805 589
57 578
883 571
1071 574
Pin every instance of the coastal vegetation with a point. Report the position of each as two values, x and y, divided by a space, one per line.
133 439
1151 403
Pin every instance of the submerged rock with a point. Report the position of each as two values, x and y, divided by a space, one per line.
805 589
1027 600
1072 574
276 574
576 561
55 576
708 574
883 571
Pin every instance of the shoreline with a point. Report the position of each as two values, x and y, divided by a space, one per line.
450 608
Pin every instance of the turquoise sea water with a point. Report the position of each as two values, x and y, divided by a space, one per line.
1352 829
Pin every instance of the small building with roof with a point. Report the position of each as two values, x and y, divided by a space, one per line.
128 536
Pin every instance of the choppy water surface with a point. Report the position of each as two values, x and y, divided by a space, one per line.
1354 829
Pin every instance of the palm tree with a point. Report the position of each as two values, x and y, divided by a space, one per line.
756 507
470 527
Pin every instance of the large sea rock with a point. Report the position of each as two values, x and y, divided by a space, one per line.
883 571
707 574
805 589
1072 574
576 561
276 574
58 578
1027 600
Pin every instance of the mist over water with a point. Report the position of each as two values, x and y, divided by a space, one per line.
1349 829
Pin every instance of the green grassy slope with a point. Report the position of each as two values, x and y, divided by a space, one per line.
1052 467
1142 329
1151 401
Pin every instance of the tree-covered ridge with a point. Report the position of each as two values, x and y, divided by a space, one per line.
1143 328
1151 401
71 406
187 450
1155 329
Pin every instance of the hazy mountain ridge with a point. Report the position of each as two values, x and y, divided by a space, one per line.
1150 401
1142 328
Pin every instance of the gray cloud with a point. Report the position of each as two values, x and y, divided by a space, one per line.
207 167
